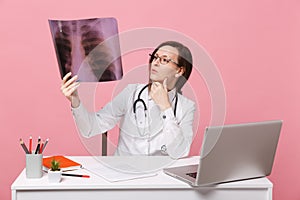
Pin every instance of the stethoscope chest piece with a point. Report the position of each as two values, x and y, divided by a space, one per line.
141 116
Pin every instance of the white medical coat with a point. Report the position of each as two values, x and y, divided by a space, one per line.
159 133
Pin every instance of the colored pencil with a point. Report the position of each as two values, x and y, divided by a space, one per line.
41 148
38 146
46 142
76 175
24 146
30 144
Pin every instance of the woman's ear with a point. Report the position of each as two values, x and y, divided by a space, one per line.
181 71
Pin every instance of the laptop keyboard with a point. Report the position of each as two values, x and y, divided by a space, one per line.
193 174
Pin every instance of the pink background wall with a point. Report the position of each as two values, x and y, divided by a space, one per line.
255 44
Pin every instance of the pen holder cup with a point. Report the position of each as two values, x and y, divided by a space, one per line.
34 165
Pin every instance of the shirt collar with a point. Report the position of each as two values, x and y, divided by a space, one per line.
172 93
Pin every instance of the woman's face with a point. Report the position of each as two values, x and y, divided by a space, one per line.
158 72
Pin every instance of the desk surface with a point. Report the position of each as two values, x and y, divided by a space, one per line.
160 181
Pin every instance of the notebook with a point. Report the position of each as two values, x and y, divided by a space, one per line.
232 153
66 164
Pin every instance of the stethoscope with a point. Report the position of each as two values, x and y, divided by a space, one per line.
144 104
145 133
139 99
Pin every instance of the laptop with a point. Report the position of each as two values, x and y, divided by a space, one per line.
231 153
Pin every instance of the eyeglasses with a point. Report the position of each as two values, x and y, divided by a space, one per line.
162 60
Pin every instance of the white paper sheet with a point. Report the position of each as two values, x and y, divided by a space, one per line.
122 172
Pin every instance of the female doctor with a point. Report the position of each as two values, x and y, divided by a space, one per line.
155 118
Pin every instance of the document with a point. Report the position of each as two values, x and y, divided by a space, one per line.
122 172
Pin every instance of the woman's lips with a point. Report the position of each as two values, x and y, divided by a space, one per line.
153 71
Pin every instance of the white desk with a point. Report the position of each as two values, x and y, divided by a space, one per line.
160 186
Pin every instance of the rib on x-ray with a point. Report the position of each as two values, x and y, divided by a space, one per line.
89 48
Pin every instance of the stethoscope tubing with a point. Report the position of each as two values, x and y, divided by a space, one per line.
139 99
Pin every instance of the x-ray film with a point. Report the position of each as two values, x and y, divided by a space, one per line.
89 48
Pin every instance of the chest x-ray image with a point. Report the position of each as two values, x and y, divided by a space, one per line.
88 48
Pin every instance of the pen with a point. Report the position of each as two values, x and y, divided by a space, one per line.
24 146
76 175
30 144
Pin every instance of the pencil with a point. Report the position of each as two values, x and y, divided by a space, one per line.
41 148
24 146
30 144
45 144
38 145
76 175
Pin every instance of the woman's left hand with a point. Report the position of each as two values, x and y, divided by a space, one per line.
159 94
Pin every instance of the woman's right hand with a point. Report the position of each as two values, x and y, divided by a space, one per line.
69 89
